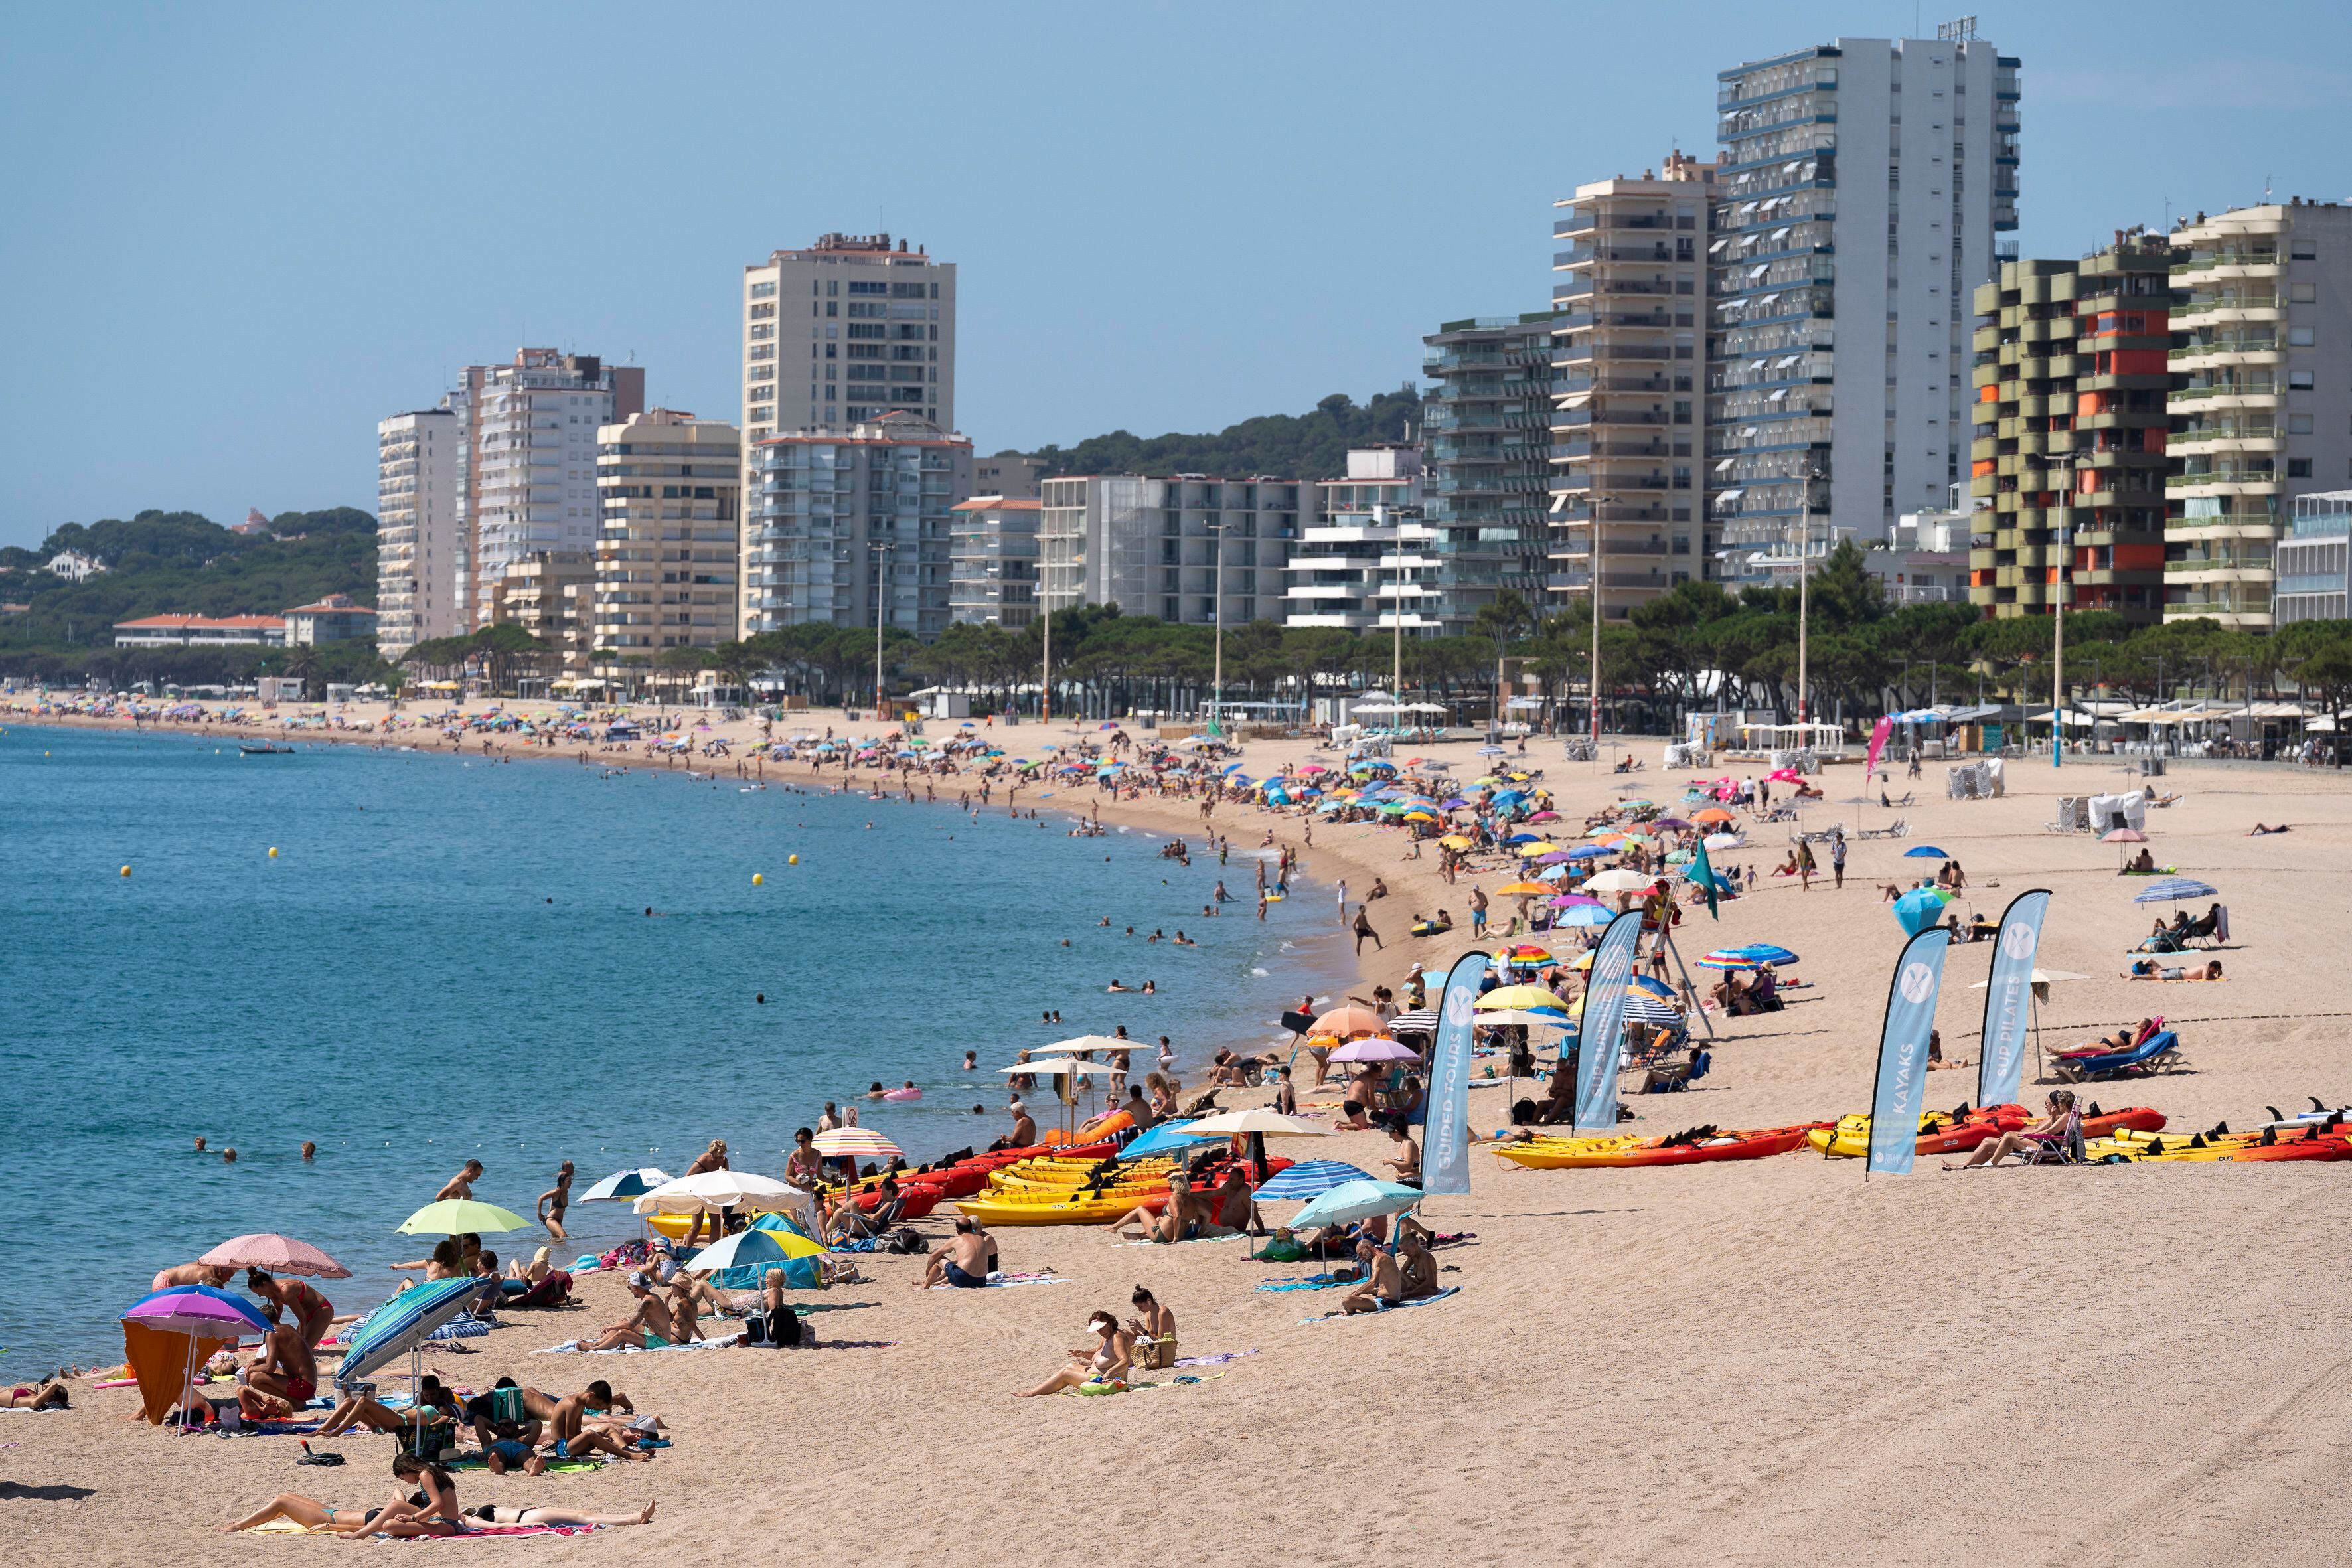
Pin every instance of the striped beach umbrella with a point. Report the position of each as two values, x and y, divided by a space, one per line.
1308 1179
405 1322
858 1142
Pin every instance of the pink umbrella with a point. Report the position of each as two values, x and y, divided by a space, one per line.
2125 836
276 1254
1378 1049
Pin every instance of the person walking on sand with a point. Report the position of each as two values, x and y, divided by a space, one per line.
1364 929
1343 900
1837 860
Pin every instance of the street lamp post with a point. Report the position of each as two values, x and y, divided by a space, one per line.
1217 585
2058 654
1592 585
881 547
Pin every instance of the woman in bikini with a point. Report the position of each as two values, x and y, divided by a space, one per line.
1106 1362
51 1395
430 1509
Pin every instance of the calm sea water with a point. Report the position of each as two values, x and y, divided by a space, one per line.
451 959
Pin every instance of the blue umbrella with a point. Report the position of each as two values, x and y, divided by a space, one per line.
1351 1201
1588 852
1925 852
1160 1140
1585 915
1765 953
1919 909
1309 1179
2172 889
198 1310
403 1324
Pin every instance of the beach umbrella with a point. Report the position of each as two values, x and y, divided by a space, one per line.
1422 1022
456 1216
1160 1140
275 1254
1621 881
1590 852
752 1248
1375 1050
1525 1019
206 1319
1642 1007
627 1184
1676 823
1053 1066
404 1322
199 1310
1523 954
2172 889
1925 852
1263 1123
1538 848
1724 841
1576 901
1345 1021
1713 813
1585 916
2124 836
724 1190
1921 908
2042 978
1351 1201
1458 841
855 1142
1308 1179
1654 985
1080 1045
1505 997
1521 889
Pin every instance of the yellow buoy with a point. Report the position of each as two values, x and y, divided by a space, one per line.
791 859
273 852
126 871
757 879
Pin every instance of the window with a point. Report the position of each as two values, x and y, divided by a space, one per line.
2298 424
2304 250
2298 467
869 288
2299 380
2304 294
2301 337
763 291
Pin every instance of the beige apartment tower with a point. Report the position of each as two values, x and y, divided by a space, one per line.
1630 431
2260 405
670 494
849 329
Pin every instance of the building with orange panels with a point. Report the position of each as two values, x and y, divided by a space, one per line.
2068 467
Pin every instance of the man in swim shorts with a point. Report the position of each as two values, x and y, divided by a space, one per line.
284 1378
967 1262
648 1326
570 1438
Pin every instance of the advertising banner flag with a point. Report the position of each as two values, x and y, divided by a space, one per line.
1902 1085
1445 1160
2008 997
1601 1038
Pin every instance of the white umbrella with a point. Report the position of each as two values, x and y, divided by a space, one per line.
726 1190
2041 977
1260 1121
1725 841
1620 881
1086 1043
1056 1067
1545 1020
1375 1050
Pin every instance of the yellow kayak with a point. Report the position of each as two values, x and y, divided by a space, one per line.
1053 1208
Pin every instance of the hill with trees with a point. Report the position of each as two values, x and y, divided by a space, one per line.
1311 445
179 563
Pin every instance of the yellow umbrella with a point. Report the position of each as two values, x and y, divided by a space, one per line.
1523 889
1458 841
1529 851
1512 997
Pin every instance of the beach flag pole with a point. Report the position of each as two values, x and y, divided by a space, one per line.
1667 936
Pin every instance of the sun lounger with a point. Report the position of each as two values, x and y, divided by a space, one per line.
2160 1052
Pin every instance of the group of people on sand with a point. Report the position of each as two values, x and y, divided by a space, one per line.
424 1502
1147 1340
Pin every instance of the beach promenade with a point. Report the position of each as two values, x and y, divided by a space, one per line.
1742 1363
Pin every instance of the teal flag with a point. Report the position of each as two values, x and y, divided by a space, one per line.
1702 871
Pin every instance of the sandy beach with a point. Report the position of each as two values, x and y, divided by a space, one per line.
1745 1362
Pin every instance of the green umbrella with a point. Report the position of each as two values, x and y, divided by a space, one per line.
457 1216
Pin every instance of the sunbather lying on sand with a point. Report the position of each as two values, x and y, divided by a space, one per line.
2149 969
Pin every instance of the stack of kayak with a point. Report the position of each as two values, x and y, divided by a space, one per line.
1076 1189
1697 1145
1955 1132
2319 1134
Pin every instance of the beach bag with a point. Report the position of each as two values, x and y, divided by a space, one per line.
779 1328
904 1242
1156 1355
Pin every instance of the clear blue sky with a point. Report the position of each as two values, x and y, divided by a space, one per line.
237 236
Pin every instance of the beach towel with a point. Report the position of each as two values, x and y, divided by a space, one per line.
553 1467
1039 1278
1399 1306
1097 1390
478 1533
1187 1241
252 1429
2222 924
1311 1282
568 1348
1217 1360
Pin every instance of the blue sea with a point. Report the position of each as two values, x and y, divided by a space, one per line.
452 958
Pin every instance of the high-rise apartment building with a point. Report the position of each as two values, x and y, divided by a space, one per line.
1152 546
1010 474
1628 435
2260 404
420 471
849 523
1487 430
531 440
1365 561
992 574
845 332
669 546
2067 466
1858 193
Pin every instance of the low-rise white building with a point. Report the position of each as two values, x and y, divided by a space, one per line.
1364 563
201 631
73 565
